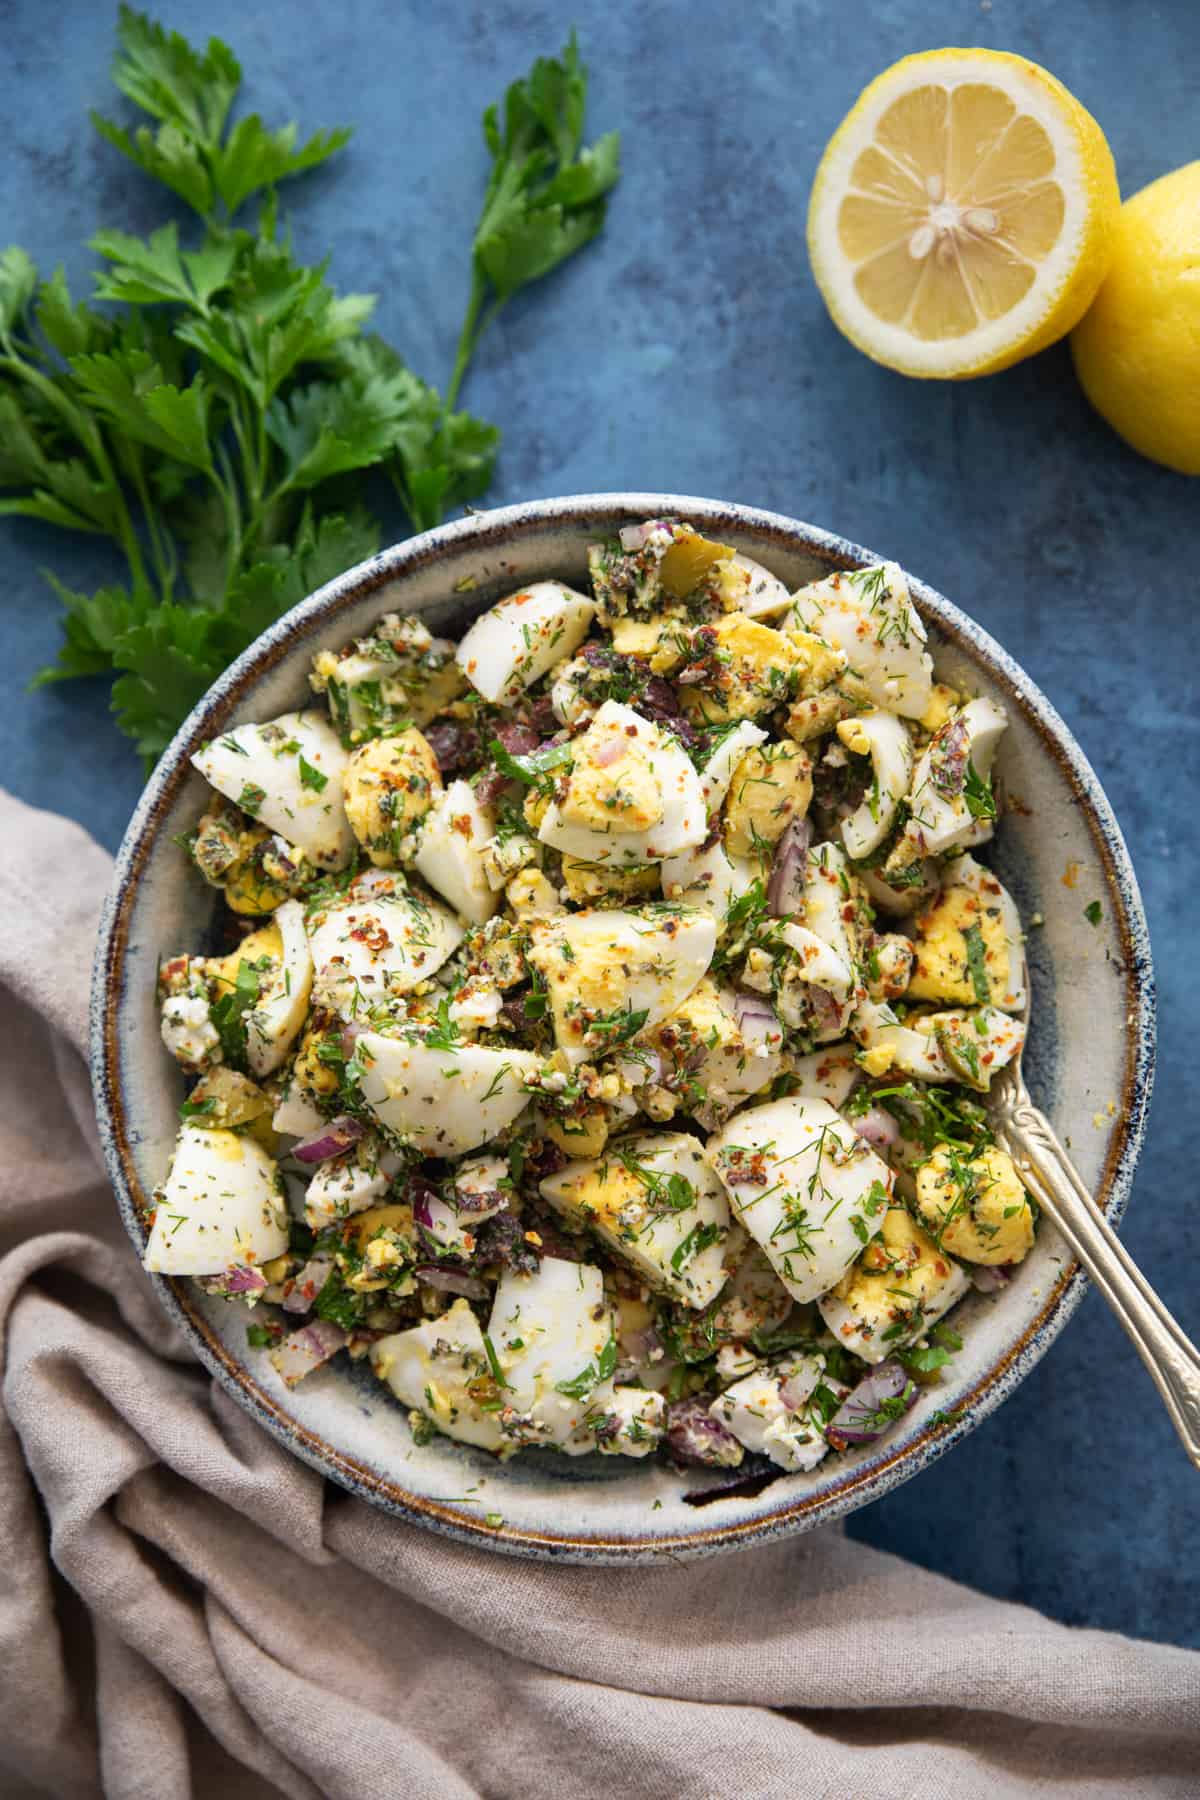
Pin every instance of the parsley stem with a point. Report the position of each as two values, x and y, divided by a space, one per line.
468 337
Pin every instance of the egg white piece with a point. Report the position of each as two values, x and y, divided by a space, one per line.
718 771
828 1074
515 642
343 1185
939 821
442 1102
549 1329
868 614
826 887
759 1416
433 1366
640 1417
451 857
376 944
621 751
766 593
629 1199
802 1183
222 1205
601 967
288 775
708 878
276 1019
886 740
295 1116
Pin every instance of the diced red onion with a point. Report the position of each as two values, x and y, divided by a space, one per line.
948 757
827 1009
420 1198
858 1419
695 1438
756 1019
308 1284
878 1128
306 1349
789 870
611 750
636 537
451 1281
332 1140
989 1278
243 1280
350 1037
795 1391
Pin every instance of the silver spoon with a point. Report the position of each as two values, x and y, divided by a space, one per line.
1057 1186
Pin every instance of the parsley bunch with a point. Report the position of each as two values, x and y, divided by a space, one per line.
206 420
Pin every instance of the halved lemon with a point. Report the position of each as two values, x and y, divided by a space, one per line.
963 215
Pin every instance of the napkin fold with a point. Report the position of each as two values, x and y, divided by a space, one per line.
186 1610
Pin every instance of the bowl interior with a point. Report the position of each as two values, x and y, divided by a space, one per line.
1089 1061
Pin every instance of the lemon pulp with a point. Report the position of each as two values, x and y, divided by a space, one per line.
962 214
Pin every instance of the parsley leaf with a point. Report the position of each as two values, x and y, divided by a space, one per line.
529 768
977 963
206 424
978 795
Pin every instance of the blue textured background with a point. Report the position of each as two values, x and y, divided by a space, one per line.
688 350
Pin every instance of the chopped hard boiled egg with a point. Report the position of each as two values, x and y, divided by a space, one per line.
439 1368
885 739
656 1202
553 1337
976 1206
442 1102
378 943
805 1186
389 786
516 641
278 1015
868 614
451 853
951 803
288 774
968 945
900 1286
610 975
632 794
220 1207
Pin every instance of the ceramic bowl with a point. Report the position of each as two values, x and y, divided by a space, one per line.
1090 1059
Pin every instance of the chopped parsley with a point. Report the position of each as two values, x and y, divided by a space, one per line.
978 794
312 778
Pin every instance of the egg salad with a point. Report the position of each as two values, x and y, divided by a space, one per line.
597 1025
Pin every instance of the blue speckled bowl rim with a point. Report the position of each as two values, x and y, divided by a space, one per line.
895 1460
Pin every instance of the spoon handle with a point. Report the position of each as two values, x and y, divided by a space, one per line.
1046 1169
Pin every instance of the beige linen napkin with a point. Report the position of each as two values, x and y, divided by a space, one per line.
187 1610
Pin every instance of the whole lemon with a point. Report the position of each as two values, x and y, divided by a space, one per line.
1137 350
